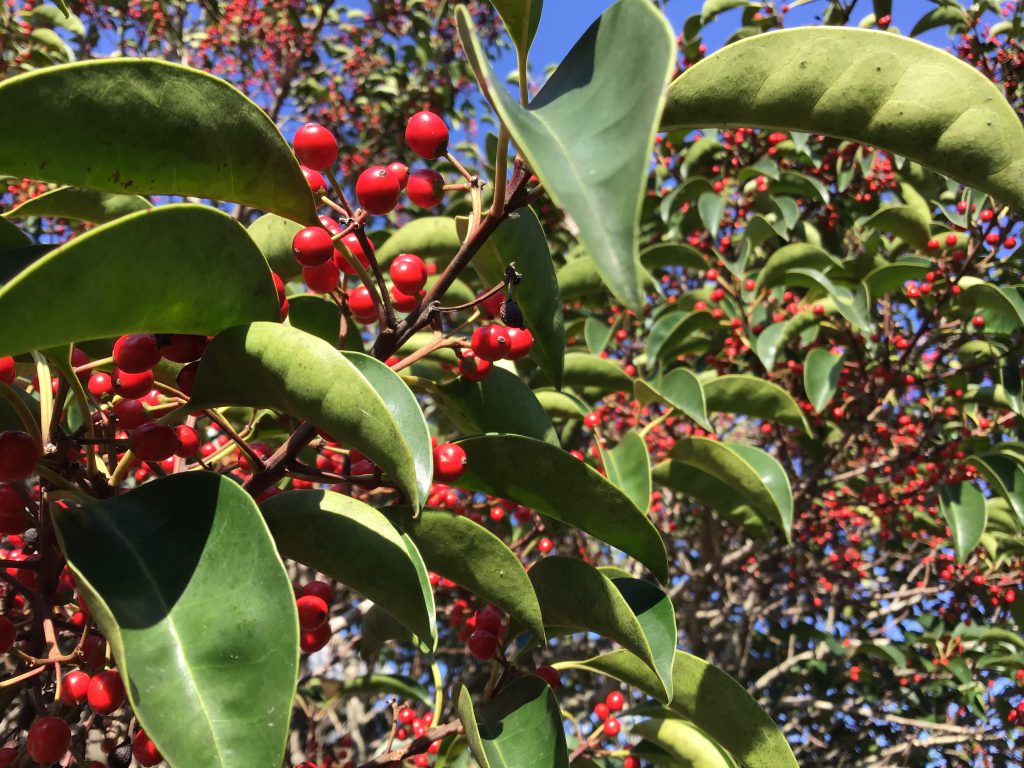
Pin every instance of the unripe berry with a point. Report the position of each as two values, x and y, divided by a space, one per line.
312 246
155 442
106 692
136 353
427 135
312 612
377 190
425 188
48 740
315 146
449 462
18 456
408 273
491 342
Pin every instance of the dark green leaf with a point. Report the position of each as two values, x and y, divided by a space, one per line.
376 685
273 235
430 237
680 389
1004 473
11 237
710 207
500 403
717 494
891 277
963 507
906 222
628 466
316 316
521 19
587 372
672 255
760 398
79 205
684 743
790 257
821 376
852 303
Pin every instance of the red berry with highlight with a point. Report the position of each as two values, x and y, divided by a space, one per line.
483 645
7 372
449 462
18 456
322 278
312 612
473 368
48 740
427 135
377 190
408 273
401 172
106 692
312 246
74 688
136 353
315 146
144 750
425 188
520 342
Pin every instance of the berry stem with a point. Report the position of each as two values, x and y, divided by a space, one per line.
500 171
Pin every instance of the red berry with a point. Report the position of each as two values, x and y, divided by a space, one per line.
400 171
106 692
136 353
7 372
131 413
317 183
377 190
315 146
132 385
155 442
312 246
406 715
187 376
323 278
630 761
361 303
408 273
401 301
492 304
145 750
615 701
473 368
520 342
74 688
545 545
18 456
8 755
978 321
449 462
48 740
352 244
425 188
427 135
312 612
549 675
490 342
12 513
313 640
188 441
278 286
183 347
319 589
612 727
602 711
483 644
8 634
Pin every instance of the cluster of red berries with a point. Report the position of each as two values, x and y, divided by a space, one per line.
313 602
604 711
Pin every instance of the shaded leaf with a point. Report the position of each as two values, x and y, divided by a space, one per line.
752 396
684 743
273 235
904 221
429 237
500 403
521 19
79 205
680 389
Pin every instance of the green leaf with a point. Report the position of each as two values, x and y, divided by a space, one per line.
602 101
790 257
429 237
79 205
477 560
144 126
672 255
267 365
680 389
907 223
710 699
684 743
350 541
628 466
944 15
821 376
712 8
891 277
376 685
500 403
316 316
674 329
749 395
205 274
578 277
773 338
1005 475
521 727
963 507
588 372
556 484
522 240
710 207
273 235
717 494
597 334
521 19
1002 306
182 577
11 237
871 87
755 475
852 303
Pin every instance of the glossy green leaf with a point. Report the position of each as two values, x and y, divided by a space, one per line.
316 316
871 87
578 277
521 727
551 481
852 303
963 507
904 221
684 743
753 396
710 207
79 205
475 559
676 328
182 577
11 236
206 275
821 376
198 136
377 685
755 475
521 240
500 403
267 365
774 338
713 492
429 237
680 389
634 613
588 372
944 15
712 8
1004 473
628 466
664 255
349 541
710 699
521 19
597 334
561 405
790 257
602 101
891 277
1002 306
273 235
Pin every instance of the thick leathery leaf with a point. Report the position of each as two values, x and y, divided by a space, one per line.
500 403
907 223
603 101
821 376
578 277
664 255
597 334
521 727
521 19
268 365
684 743
475 559
634 613
755 475
429 237
963 507
556 484
273 235
144 126
183 579
589 372
376 685
720 496
1004 473
406 413
317 316
749 395
11 236
522 241
891 277
850 302
673 330
209 272
710 207
680 389
870 87
790 257
349 541
628 466
1001 306
79 205
777 335
710 699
